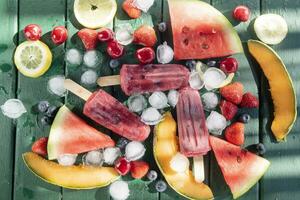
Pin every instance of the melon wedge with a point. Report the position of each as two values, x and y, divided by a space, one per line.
69 134
281 88
164 148
200 31
73 177
241 169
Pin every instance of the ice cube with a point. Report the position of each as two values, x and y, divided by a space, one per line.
137 103
213 78
94 158
216 123
158 100
164 53
143 5
210 100
13 108
196 80
134 150
119 190
56 85
73 57
173 97
92 58
89 77
67 159
151 116
110 154
124 34
179 163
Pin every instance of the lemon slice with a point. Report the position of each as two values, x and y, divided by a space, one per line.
95 13
33 58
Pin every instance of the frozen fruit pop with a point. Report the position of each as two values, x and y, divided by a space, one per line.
192 130
136 79
110 113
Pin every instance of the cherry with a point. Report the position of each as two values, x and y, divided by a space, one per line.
33 32
241 13
122 166
229 65
114 49
59 35
105 35
145 55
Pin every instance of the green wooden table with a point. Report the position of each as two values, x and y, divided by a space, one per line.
282 181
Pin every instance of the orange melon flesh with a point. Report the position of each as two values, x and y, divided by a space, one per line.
165 147
73 177
281 88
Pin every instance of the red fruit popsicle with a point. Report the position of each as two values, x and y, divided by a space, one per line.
110 113
192 130
137 79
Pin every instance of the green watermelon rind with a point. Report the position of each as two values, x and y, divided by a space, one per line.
55 129
263 166
232 34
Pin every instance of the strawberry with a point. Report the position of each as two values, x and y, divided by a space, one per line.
131 11
233 92
228 109
145 35
249 101
235 133
40 146
139 169
89 38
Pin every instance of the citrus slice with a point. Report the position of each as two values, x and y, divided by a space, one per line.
270 28
33 58
95 13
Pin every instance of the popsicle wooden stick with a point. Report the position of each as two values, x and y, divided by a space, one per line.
77 89
198 169
109 80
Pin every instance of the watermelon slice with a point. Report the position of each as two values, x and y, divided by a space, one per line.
241 168
200 31
71 135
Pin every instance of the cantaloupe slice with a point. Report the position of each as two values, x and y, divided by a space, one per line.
165 147
281 88
73 177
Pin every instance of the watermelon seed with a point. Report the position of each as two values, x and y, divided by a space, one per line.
205 46
185 29
186 41
238 159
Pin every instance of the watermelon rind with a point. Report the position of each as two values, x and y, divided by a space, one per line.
194 8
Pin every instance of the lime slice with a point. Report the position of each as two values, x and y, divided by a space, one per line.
33 58
270 28
95 13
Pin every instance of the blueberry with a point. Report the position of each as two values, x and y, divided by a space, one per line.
51 111
45 120
122 142
114 63
160 186
191 64
245 118
211 63
260 148
43 106
162 27
152 175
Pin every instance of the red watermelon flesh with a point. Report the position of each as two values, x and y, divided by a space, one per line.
200 31
241 169
69 134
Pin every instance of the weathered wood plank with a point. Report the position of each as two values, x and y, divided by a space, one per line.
8 20
76 103
247 75
48 14
282 181
139 189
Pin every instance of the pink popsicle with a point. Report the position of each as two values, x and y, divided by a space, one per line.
136 79
192 130
110 113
